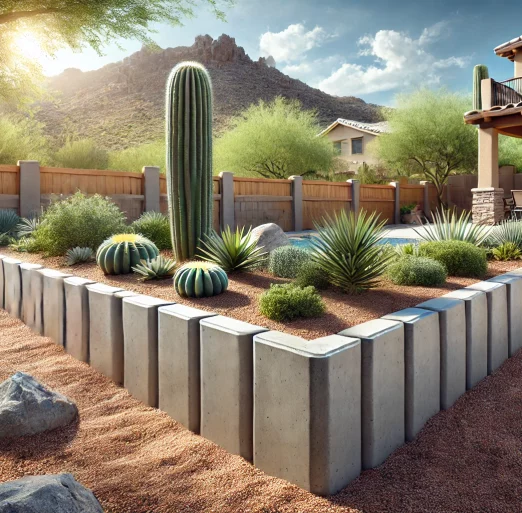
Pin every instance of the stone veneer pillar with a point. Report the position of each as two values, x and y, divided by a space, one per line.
488 205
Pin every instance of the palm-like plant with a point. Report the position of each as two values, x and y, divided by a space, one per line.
27 226
448 225
158 268
507 231
232 251
347 250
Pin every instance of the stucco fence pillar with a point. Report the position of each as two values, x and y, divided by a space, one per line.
496 295
227 383
382 392
140 342
422 366
307 410
452 325
179 363
476 311
12 287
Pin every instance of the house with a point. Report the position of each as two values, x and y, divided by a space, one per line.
351 139
500 113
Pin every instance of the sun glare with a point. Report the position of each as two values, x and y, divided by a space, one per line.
29 46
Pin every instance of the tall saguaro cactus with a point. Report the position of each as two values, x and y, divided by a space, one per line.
189 156
480 71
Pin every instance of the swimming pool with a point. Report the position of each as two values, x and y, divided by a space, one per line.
303 241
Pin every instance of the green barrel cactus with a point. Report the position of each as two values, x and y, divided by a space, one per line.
189 157
120 253
480 71
200 279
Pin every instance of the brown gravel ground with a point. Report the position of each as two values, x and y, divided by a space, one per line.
241 299
138 460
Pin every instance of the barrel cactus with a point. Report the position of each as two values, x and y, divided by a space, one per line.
120 253
200 279
189 157
480 72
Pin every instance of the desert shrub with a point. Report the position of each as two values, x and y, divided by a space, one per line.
347 249
22 138
78 221
506 251
156 227
24 245
288 301
413 270
459 258
507 231
135 158
82 154
286 261
232 251
310 273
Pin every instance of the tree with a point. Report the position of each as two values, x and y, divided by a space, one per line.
274 140
22 138
56 24
510 152
428 136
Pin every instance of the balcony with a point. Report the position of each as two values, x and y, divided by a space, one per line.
505 93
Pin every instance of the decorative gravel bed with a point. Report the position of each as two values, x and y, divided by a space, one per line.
241 299
138 460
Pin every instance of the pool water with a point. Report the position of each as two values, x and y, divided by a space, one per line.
303 241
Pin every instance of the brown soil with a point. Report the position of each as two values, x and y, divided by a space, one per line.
137 460
241 299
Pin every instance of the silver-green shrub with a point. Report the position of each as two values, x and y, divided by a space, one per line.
286 261
414 270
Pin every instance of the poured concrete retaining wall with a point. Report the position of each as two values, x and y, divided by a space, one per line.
12 286
31 311
54 305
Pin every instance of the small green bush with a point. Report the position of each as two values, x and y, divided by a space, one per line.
506 251
413 270
286 261
310 273
155 227
459 258
82 154
288 301
78 221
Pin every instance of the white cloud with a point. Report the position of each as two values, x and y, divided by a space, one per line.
311 71
292 43
399 61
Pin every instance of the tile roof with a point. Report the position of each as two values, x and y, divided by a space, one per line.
476 116
374 128
506 49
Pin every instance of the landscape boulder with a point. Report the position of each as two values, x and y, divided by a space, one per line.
47 494
270 236
27 407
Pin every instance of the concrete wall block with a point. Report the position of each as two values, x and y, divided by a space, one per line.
498 331
179 361
227 383
513 285
476 309
12 287
2 283
383 382
422 366
140 343
452 324
54 305
29 302
77 317
307 410
106 330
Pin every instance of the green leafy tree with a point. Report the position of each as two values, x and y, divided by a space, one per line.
56 24
510 152
274 140
22 138
82 154
429 137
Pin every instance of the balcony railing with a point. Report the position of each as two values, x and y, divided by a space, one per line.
509 91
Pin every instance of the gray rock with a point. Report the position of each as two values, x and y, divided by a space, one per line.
270 236
47 494
27 407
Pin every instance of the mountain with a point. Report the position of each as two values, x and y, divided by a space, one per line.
122 104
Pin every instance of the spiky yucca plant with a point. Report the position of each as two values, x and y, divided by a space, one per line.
448 225
78 255
507 231
232 251
159 268
189 157
347 250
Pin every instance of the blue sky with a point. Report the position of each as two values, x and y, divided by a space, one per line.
372 50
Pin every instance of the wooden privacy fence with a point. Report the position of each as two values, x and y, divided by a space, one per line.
293 204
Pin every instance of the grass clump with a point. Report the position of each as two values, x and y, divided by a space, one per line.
459 258
310 273
288 301
506 251
286 261
154 226
413 270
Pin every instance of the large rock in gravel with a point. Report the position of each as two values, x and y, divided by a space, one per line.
270 236
27 407
47 494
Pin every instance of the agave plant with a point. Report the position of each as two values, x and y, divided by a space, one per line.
232 251
507 231
158 268
347 249
448 225
9 219
409 249
78 255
